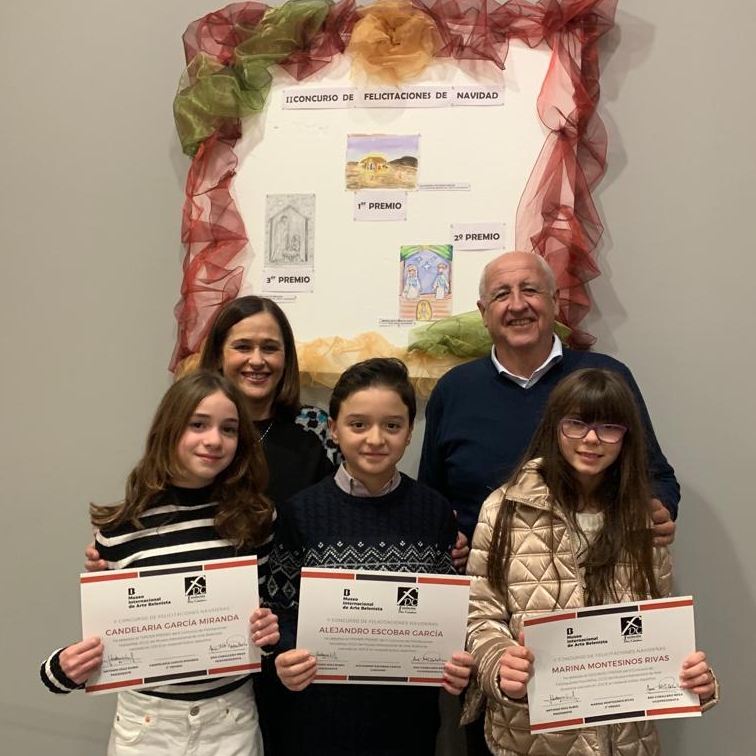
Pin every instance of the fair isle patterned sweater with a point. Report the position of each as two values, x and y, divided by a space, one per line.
410 529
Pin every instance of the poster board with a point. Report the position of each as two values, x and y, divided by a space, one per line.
236 58
483 153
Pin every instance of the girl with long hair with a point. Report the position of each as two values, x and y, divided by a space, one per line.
196 494
570 528
251 344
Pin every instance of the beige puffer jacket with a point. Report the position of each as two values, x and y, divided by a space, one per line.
532 587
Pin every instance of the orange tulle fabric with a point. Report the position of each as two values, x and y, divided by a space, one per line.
323 360
392 42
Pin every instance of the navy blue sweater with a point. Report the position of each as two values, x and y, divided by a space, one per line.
478 425
410 529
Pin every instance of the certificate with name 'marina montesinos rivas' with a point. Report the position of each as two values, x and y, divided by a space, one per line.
611 663
171 623
383 628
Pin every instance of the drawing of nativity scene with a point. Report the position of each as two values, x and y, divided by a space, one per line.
288 237
426 282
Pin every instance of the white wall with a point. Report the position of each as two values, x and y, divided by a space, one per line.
676 304
90 196
91 199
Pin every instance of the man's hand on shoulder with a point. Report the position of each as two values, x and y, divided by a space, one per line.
664 525
460 552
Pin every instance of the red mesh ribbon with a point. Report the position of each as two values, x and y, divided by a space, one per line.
212 228
218 33
556 216
214 234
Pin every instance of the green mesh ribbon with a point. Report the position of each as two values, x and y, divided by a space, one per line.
212 96
462 335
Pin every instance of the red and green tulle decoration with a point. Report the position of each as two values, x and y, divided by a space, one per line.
229 56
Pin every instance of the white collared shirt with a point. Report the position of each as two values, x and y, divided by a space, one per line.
354 487
555 355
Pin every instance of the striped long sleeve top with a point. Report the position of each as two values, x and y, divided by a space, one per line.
178 529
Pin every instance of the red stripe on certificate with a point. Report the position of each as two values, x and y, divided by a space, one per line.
556 724
434 680
237 668
331 677
444 581
555 618
114 685
673 710
98 578
665 604
226 565
339 575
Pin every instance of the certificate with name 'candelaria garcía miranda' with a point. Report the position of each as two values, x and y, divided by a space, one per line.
171 623
383 628
613 663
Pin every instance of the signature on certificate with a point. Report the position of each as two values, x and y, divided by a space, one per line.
234 642
112 661
666 683
564 698
428 658
326 655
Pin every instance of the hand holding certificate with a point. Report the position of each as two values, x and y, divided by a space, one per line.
173 623
613 663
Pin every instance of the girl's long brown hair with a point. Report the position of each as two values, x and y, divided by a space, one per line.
623 495
244 516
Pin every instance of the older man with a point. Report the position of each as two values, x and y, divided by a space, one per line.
481 415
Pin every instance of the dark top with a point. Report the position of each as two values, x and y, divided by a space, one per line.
478 425
296 458
410 529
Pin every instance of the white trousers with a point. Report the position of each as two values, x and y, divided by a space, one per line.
221 726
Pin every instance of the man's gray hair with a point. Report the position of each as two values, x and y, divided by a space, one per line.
545 267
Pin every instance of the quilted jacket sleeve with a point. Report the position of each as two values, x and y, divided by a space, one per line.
488 632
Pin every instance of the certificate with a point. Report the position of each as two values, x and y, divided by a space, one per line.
613 663
366 626
172 623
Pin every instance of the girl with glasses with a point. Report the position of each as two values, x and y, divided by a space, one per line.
570 528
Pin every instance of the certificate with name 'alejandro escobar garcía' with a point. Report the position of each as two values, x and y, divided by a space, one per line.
172 623
383 628
611 663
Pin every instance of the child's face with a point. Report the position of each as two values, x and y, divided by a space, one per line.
588 456
373 430
209 443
